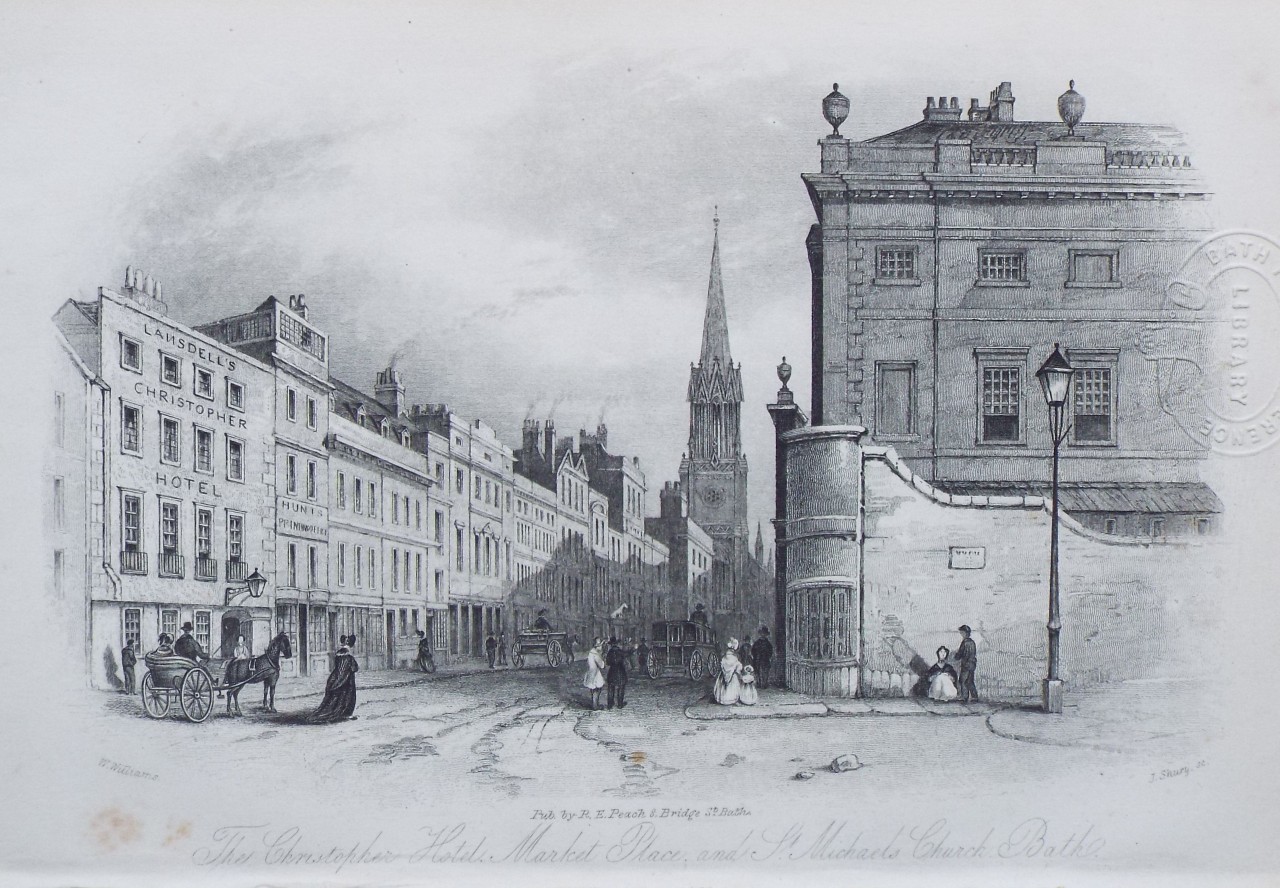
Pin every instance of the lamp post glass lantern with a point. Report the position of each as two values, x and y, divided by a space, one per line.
1055 382
255 585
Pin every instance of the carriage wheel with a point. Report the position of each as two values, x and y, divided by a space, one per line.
695 665
712 666
154 700
554 654
517 658
196 695
652 665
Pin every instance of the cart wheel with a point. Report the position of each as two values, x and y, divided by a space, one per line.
652 665
517 658
154 700
695 665
554 654
196 695
712 666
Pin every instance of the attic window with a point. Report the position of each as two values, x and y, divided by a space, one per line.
404 438
383 428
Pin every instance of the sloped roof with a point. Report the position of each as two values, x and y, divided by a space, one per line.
1117 136
348 400
1173 497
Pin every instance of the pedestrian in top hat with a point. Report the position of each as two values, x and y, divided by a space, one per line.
762 653
616 660
491 649
967 657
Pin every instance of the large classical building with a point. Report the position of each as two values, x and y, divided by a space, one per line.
951 255
713 472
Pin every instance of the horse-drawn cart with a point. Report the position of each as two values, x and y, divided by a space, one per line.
541 642
170 676
682 646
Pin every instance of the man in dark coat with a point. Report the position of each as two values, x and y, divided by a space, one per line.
616 678
762 653
699 615
128 659
502 648
967 657
491 649
642 652
542 624
187 646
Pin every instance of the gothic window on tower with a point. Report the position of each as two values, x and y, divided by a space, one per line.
895 400
896 265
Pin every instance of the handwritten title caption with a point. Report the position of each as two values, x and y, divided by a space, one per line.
650 838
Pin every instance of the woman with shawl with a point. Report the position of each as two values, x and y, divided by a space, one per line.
728 687
339 703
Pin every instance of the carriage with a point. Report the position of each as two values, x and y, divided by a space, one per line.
541 642
682 646
170 676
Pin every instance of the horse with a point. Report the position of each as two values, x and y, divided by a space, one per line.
242 672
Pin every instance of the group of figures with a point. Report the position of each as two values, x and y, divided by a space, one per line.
338 704
607 669
952 678
743 667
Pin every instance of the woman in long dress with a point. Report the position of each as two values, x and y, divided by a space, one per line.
593 680
339 703
728 689
749 696
942 678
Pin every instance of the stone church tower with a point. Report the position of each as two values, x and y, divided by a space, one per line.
714 470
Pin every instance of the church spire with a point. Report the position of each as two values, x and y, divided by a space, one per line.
715 326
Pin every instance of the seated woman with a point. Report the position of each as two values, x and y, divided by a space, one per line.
339 703
942 678
749 696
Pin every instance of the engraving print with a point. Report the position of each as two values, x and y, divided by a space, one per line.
483 443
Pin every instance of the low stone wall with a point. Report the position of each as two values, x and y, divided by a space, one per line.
1131 608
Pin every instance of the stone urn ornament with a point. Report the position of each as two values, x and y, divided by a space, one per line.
1071 108
835 108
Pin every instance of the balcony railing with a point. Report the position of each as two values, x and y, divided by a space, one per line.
206 568
172 565
133 562
1148 160
235 571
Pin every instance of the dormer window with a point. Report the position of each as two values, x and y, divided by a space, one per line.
383 428
404 438
361 417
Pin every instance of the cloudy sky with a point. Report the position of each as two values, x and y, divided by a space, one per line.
518 204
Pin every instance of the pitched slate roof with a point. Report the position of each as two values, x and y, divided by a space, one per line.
1146 497
1117 136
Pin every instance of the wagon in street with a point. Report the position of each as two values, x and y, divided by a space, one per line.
682 646
540 643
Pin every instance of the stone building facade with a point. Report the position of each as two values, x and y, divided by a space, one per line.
951 255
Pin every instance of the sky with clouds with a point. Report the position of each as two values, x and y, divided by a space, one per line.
516 202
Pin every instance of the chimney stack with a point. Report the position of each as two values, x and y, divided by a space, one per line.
531 431
389 390
942 109
549 443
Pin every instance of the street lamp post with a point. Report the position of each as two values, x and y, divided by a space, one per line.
1055 381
